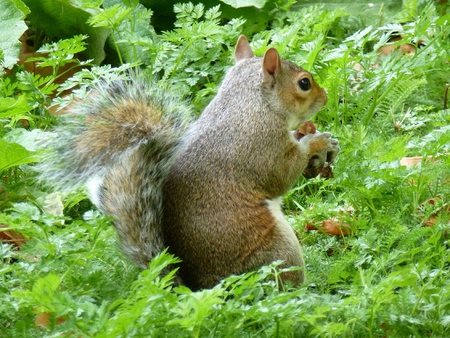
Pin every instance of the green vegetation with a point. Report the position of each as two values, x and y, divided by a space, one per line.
388 278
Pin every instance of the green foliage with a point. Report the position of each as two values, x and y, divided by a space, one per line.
13 12
191 58
13 154
24 102
64 19
389 277
245 3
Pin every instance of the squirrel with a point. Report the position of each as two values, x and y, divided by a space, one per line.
208 190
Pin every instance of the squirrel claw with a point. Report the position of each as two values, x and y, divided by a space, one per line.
332 153
322 157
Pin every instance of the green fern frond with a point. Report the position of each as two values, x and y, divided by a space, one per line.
398 95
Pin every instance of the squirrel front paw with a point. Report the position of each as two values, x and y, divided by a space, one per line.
323 150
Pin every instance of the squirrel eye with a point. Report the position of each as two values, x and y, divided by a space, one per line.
304 84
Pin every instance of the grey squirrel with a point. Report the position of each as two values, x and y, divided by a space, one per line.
210 190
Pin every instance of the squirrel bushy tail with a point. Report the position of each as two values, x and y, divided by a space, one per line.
120 141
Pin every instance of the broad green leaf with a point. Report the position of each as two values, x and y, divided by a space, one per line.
11 106
62 19
20 5
12 27
31 140
13 154
245 3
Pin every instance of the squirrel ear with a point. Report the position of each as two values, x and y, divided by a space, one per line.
243 49
271 63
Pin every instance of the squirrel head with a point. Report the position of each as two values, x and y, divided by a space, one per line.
292 89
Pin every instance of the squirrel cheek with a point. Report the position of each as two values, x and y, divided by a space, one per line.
294 103
320 100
